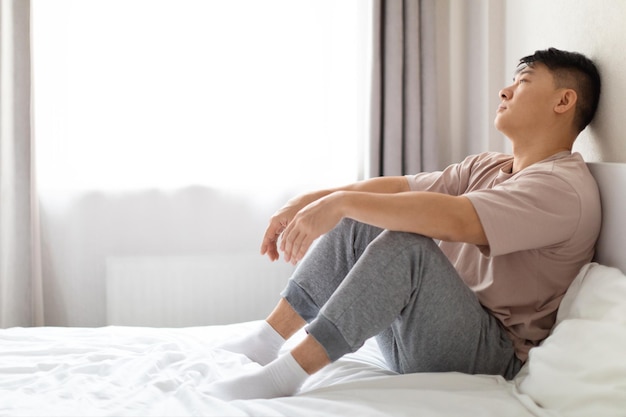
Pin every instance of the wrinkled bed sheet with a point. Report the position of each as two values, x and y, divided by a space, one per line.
148 371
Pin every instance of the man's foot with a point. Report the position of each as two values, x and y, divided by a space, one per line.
261 346
280 378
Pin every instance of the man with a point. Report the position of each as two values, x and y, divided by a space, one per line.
513 231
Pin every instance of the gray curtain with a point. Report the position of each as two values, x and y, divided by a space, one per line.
437 69
396 104
20 277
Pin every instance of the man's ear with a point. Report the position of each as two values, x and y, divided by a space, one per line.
567 100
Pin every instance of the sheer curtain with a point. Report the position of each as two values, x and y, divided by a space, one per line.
20 278
437 69
174 128
168 93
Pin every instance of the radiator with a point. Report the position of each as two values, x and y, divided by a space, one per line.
185 291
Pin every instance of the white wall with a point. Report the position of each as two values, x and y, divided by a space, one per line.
594 28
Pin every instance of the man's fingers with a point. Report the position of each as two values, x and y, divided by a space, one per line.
295 245
270 249
289 243
303 249
270 239
296 248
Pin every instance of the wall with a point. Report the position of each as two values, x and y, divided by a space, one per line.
594 28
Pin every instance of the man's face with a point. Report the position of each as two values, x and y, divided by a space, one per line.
528 103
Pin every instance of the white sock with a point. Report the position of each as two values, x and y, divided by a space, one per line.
280 378
261 346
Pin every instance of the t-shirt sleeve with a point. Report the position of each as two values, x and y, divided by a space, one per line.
452 181
533 211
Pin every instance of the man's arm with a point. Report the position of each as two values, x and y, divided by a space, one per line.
440 216
283 217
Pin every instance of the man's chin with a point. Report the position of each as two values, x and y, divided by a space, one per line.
497 123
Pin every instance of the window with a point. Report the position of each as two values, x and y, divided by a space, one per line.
169 93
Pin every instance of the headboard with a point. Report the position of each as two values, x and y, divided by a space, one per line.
611 247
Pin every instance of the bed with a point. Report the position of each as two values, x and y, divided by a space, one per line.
579 370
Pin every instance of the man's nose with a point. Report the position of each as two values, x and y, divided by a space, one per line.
505 94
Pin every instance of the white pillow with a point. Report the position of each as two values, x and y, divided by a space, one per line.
597 293
580 369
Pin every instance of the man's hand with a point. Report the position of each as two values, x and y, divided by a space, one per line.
307 217
311 222
278 223
281 219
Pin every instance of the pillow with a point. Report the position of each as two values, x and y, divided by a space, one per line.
580 369
597 293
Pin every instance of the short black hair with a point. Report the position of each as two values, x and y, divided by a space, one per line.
576 71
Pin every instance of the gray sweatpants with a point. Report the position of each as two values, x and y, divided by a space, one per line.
359 281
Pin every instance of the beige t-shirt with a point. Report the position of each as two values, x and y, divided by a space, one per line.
541 223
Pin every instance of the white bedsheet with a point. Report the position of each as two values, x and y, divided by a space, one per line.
148 371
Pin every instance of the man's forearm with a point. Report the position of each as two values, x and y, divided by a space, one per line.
380 185
440 216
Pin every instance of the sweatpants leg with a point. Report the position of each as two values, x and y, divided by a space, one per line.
443 327
326 265
403 289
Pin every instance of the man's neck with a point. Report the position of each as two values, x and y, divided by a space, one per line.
538 144
525 158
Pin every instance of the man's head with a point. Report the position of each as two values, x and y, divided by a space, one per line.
571 70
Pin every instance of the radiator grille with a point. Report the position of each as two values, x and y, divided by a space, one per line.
182 291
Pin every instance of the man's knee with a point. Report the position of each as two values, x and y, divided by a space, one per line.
397 241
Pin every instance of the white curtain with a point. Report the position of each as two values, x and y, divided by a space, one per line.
175 128
20 276
437 69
